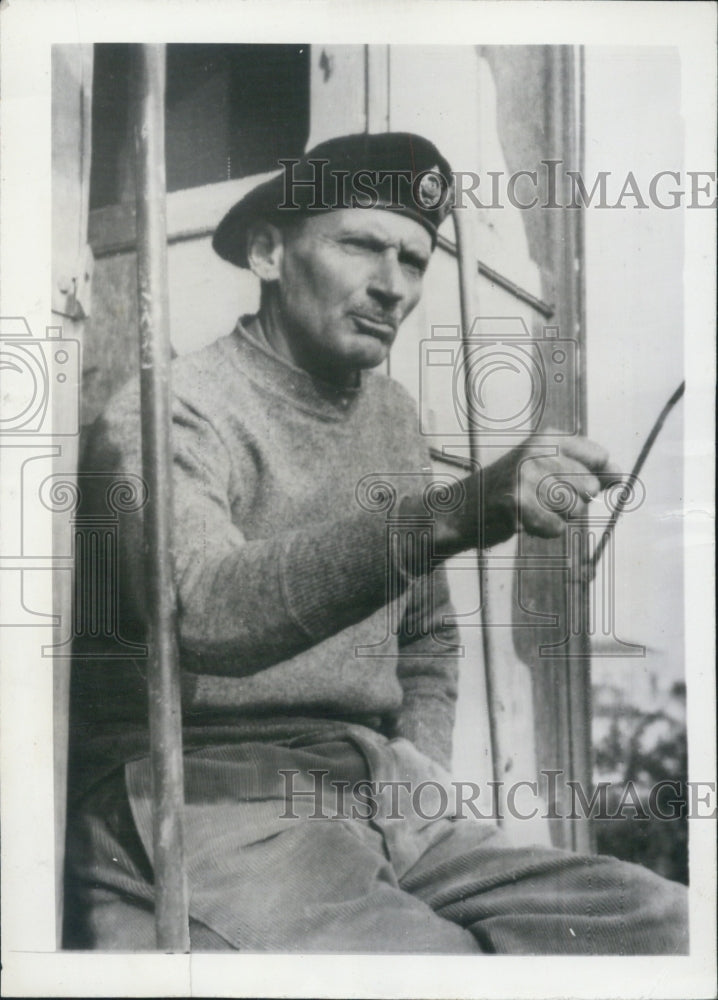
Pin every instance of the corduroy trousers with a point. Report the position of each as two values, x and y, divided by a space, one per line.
288 849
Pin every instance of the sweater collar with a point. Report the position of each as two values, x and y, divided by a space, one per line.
294 385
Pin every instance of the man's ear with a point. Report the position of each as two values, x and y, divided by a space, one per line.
265 247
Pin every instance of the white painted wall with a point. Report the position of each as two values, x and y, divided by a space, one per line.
635 260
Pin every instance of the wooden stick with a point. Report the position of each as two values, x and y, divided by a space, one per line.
500 741
165 720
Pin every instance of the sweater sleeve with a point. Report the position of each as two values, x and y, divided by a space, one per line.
428 668
243 605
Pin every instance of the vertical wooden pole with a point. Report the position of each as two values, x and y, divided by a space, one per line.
583 838
499 736
572 663
171 914
559 655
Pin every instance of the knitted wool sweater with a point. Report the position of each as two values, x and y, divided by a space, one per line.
295 613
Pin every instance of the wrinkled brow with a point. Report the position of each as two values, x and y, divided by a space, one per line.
378 239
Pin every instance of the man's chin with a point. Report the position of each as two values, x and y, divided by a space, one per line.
372 356
369 349
352 353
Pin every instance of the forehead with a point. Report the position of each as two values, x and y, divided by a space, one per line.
377 224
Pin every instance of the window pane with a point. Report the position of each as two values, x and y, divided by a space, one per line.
231 111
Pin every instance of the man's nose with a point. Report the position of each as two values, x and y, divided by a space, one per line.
387 283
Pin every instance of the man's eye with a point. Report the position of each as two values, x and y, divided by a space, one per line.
359 244
417 265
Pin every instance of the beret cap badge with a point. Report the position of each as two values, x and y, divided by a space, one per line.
431 188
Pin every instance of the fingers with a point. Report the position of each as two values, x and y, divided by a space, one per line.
610 476
594 456
554 488
590 454
547 490
540 522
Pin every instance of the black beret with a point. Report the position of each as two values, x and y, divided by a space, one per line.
395 171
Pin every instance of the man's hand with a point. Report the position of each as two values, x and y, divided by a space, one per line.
535 487
538 486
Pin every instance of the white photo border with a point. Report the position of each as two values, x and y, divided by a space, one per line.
31 965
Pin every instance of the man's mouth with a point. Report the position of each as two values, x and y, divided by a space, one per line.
383 329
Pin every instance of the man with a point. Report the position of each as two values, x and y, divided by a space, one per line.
290 453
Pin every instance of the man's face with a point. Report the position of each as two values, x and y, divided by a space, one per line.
348 278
